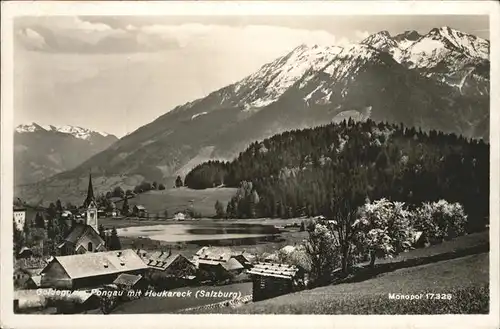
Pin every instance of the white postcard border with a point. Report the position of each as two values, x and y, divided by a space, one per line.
285 8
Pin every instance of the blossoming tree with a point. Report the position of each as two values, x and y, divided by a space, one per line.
441 220
384 229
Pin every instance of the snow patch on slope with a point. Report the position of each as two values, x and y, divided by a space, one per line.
197 115
427 51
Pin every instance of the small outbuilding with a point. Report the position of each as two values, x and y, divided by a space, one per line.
140 211
272 280
21 276
128 282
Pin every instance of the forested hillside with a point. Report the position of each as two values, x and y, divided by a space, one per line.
300 172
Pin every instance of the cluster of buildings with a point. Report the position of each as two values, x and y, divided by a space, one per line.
83 263
122 270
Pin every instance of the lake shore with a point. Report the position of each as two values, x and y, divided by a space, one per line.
133 221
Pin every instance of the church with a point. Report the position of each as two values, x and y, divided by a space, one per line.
84 237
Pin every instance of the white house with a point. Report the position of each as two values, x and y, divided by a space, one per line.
19 217
180 216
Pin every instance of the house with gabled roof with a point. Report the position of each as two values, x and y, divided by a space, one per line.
273 279
217 263
81 239
25 269
139 211
128 281
169 269
90 269
222 254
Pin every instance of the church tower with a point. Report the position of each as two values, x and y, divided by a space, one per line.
91 206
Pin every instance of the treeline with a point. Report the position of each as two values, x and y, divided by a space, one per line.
144 186
299 173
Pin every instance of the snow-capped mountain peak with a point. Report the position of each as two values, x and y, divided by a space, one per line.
445 46
469 44
380 40
77 132
28 128
267 84
395 46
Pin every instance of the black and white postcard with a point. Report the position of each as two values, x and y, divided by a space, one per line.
203 164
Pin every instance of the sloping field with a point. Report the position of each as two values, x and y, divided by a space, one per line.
180 199
465 279
457 268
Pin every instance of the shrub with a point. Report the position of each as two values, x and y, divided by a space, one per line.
323 253
441 220
302 226
308 224
219 210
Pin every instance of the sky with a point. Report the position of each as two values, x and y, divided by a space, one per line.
117 73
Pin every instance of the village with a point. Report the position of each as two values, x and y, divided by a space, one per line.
88 271
177 163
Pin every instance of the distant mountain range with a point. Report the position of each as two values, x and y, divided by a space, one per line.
43 151
435 81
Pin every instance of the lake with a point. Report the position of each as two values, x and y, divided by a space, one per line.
199 232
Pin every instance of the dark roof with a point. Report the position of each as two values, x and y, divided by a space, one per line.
19 208
30 263
23 249
282 271
127 279
36 279
80 230
142 253
76 232
162 261
161 255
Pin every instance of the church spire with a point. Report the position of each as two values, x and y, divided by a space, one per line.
90 192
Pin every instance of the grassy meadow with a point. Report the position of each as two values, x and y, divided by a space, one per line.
180 199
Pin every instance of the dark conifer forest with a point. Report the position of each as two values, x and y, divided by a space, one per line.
300 172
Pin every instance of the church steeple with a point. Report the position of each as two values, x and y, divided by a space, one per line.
90 193
91 206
